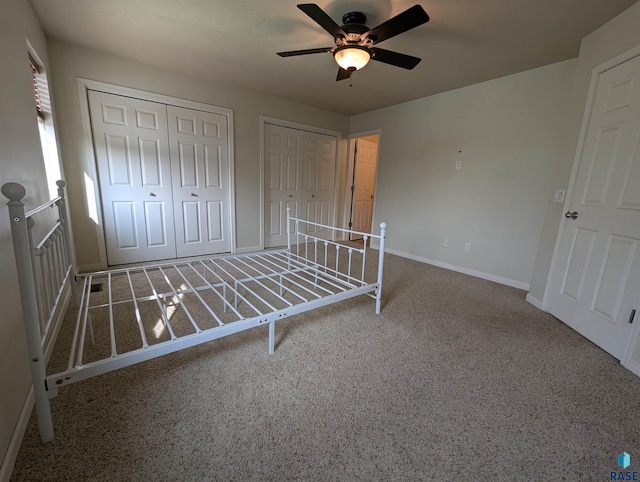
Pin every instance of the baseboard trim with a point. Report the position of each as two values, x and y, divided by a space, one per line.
250 249
90 268
9 461
535 302
460 269
633 366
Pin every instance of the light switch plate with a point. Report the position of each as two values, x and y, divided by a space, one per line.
558 197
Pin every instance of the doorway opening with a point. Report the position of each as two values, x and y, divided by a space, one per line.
361 183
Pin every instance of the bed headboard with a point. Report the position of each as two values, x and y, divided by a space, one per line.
44 264
45 269
45 273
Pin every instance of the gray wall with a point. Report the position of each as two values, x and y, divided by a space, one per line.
509 132
71 62
612 39
20 161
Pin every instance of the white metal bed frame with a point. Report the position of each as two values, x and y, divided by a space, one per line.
235 292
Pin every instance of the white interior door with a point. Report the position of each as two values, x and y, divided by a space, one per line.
364 181
201 192
596 282
130 140
319 179
283 158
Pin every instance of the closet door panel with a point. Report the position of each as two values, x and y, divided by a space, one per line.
132 154
283 155
319 172
201 188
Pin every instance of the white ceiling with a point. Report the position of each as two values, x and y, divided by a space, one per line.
235 41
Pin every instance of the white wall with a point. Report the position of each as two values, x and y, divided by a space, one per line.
612 39
20 161
509 131
71 62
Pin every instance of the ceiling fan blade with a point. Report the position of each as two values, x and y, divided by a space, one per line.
293 53
394 58
321 18
402 22
343 74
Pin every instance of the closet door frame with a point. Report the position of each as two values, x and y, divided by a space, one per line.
92 171
303 127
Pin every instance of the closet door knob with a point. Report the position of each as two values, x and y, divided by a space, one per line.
152 194
572 215
193 194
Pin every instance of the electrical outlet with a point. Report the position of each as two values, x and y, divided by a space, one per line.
467 247
458 165
445 243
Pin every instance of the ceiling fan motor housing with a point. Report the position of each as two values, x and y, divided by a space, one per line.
354 26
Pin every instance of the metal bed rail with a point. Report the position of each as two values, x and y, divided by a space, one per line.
247 308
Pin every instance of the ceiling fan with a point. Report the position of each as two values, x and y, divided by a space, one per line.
355 41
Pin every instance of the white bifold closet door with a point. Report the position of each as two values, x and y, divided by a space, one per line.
200 167
132 152
299 174
164 179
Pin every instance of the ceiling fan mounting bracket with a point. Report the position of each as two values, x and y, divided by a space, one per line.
354 18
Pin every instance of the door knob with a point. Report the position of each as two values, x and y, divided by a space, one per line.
572 215
290 195
152 194
194 194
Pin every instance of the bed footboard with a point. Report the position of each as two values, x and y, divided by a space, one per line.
313 242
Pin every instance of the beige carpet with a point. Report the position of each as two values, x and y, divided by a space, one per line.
457 379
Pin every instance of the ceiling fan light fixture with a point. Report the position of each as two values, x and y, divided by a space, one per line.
352 57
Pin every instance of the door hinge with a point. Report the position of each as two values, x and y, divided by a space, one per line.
632 316
350 224
353 188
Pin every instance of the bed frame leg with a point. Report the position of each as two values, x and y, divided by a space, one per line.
43 409
272 337
24 264
383 233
